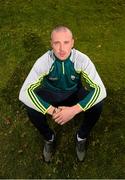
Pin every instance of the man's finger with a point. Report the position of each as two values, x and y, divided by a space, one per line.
62 123
58 119
61 107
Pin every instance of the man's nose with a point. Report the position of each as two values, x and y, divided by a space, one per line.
61 47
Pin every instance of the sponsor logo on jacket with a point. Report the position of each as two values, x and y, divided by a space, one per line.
53 78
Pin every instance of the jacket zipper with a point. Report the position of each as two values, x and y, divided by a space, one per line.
63 68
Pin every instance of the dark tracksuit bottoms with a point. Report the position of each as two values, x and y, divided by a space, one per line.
91 115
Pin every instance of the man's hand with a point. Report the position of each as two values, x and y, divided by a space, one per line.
51 110
65 114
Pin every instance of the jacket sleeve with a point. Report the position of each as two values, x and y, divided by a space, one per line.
92 81
33 81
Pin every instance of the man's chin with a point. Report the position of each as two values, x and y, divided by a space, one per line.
62 59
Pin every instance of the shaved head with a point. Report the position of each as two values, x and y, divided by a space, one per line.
61 29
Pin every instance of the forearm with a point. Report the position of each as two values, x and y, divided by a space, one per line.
76 109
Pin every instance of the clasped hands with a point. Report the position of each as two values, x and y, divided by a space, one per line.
63 114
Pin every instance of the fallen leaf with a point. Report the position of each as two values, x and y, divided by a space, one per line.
20 151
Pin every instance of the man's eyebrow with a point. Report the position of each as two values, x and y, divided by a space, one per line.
59 41
56 41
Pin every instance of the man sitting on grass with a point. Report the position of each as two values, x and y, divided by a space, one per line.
62 83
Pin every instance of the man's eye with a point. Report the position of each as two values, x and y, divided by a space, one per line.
56 43
66 42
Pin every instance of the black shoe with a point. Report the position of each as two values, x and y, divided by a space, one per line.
81 148
48 150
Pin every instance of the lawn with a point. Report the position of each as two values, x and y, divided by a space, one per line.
99 30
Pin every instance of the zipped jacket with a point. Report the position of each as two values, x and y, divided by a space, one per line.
62 76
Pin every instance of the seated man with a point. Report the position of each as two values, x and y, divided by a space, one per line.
63 82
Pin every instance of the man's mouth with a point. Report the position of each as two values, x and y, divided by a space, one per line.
62 54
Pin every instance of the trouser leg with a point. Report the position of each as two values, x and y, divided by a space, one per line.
40 122
91 116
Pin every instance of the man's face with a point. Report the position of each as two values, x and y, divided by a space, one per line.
62 43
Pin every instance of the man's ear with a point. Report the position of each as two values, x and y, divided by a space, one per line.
72 43
51 43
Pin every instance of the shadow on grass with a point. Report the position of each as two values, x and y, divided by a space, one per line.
34 48
115 106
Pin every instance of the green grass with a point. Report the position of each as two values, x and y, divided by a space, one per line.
98 27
